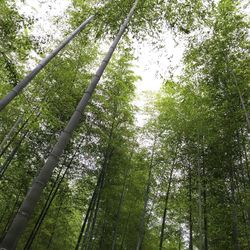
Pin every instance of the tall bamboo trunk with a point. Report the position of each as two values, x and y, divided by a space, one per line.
52 194
104 224
205 219
117 216
55 223
234 214
105 166
11 132
190 209
165 207
20 221
146 197
242 101
89 210
21 85
9 159
5 148
200 207
89 219
13 211
126 228
47 205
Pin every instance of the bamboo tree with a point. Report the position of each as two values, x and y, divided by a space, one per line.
146 197
107 158
20 221
7 162
11 132
117 216
88 213
190 220
21 85
14 136
165 206
55 224
48 203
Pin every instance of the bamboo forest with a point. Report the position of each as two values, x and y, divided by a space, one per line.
125 124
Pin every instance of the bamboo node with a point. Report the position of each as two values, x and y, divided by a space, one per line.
24 214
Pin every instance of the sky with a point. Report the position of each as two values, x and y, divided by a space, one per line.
151 64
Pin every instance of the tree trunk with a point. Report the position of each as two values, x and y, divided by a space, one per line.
89 210
105 166
55 224
240 96
205 222
14 136
200 206
11 132
11 156
13 211
21 85
93 203
146 197
20 221
235 233
50 198
46 207
103 230
125 228
117 216
165 207
190 209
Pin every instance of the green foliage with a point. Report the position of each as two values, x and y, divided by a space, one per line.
191 158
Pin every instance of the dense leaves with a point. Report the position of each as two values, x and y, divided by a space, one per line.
179 182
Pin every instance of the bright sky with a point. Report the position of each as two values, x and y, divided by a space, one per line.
151 64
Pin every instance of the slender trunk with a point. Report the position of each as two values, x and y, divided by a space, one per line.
4 213
245 151
117 216
55 224
11 156
95 207
205 222
200 201
51 196
21 85
246 227
240 96
125 228
11 132
13 211
47 204
165 207
103 229
14 136
99 187
89 220
107 158
89 210
244 109
235 233
20 221
190 209
146 197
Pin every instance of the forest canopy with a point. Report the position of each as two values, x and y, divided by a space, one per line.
83 166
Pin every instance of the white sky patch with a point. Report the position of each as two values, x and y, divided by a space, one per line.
155 64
